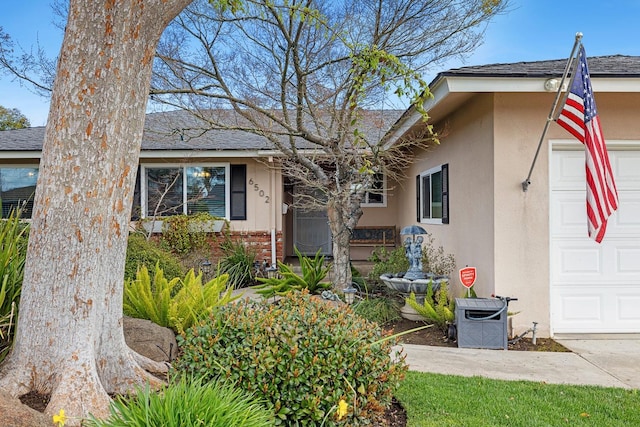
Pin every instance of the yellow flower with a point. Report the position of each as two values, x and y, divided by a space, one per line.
342 409
59 419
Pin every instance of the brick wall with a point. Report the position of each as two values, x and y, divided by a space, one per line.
259 241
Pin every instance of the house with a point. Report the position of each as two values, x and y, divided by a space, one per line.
228 173
533 245
467 191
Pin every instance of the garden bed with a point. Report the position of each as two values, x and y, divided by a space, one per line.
435 337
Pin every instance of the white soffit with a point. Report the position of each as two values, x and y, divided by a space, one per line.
533 84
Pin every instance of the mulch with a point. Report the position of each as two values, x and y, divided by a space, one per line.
435 337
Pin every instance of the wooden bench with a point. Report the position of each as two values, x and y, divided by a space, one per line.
374 236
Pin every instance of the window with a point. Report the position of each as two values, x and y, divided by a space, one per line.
376 196
17 188
219 190
432 190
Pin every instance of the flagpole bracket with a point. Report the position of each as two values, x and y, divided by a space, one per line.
525 185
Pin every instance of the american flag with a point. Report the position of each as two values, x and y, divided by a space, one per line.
580 118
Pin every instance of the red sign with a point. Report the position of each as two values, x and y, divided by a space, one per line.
467 276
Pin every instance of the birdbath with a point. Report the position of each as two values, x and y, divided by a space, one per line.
413 251
414 279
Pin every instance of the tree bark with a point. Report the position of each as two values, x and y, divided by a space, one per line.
343 215
69 341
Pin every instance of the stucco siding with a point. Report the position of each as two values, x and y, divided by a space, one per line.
522 218
466 145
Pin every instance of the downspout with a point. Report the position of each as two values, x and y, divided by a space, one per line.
274 213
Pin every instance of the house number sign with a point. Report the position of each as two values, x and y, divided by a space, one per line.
257 189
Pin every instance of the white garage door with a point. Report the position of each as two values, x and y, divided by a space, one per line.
595 288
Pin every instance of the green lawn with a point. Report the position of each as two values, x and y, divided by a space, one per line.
445 400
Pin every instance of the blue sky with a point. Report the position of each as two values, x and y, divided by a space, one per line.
533 30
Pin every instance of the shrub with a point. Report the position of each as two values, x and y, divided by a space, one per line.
187 404
13 250
237 262
303 355
182 233
387 261
437 307
313 271
141 252
175 303
381 310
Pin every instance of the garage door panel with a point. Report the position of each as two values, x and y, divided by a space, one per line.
578 261
628 214
582 262
628 308
595 288
568 218
626 170
568 171
628 260
586 308
610 309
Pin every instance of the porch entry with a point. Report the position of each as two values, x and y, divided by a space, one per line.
311 232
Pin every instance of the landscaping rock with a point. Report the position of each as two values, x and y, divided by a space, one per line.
150 340
15 414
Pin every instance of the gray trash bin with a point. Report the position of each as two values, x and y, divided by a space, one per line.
481 323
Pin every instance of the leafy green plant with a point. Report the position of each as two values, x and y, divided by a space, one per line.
13 249
176 303
187 403
382 310
387 261
237 262
183 233
437 307
303 355
313 272
142 252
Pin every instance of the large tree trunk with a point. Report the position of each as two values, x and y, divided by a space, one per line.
343 215
69 341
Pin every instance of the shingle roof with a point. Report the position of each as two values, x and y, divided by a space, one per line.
599 66
179 130
28 139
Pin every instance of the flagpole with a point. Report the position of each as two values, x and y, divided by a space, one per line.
576 45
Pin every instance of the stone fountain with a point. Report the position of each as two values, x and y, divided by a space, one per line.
414 279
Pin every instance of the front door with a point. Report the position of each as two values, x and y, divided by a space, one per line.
311 232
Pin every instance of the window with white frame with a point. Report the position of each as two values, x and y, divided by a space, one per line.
377 194
17 188
190 189
432 191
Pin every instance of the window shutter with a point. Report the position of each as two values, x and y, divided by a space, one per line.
418 198
445 194
238 202
136 207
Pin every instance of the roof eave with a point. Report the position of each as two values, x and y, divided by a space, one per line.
462 87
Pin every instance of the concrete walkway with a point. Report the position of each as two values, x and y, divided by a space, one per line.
603 362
